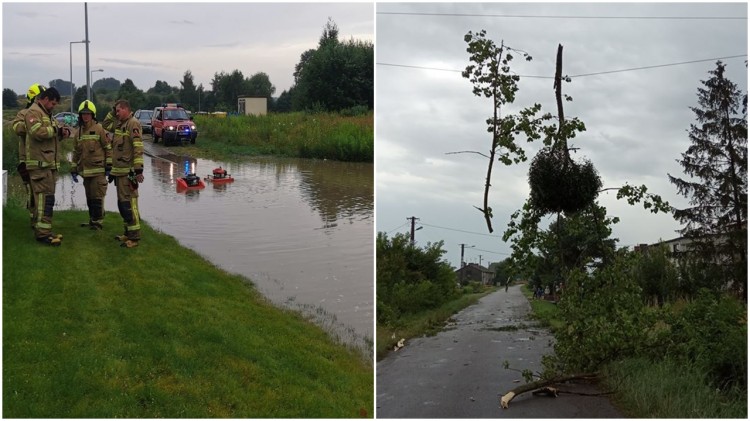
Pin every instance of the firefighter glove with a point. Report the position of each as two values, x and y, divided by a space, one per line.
74 176
107 170
110 179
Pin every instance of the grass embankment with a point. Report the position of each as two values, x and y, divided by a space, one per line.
303 135
94 330
427 322
644 388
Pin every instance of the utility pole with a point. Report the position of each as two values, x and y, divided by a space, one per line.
413 221
463 245
88 74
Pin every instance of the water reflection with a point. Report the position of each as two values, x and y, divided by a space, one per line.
302 230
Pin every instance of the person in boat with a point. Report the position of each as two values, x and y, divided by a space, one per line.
127 168
92 159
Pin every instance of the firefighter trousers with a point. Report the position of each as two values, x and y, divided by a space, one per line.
42 184
127 204
96 189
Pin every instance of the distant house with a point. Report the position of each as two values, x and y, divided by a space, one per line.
475 272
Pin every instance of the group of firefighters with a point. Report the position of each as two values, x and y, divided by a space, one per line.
110 152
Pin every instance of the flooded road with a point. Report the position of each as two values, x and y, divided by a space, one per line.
301 230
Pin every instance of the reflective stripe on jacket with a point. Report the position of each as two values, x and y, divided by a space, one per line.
127 147
41 139
92 150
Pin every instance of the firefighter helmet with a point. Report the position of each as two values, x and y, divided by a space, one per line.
34 90
87 107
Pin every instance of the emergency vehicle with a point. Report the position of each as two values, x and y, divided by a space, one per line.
173 124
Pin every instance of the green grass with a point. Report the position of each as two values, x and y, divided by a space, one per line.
427 322
94 330
545 312
303 135
647 389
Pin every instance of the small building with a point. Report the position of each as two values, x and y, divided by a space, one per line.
474 272
249 105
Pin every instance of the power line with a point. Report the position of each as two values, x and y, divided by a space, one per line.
458 230
565 17
583 74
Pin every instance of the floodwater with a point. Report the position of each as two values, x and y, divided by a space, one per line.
301 230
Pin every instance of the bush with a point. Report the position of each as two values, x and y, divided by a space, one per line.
711 332
604 316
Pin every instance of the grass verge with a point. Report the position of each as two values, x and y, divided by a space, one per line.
427 322
647 389
91 330
544 311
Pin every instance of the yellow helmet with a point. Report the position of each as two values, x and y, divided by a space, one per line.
34 90
87 107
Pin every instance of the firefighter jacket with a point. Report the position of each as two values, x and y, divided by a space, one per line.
93 152
19 127
127 146
41 139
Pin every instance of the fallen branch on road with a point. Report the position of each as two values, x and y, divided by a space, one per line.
542 384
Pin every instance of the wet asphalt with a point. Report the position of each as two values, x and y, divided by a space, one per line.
459 372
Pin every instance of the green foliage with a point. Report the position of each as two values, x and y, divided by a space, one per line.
605 317
559 184
106 84
10 98
711 333
335 76
716 164
410 279
323 136
667 389
657 275
133 95
188 92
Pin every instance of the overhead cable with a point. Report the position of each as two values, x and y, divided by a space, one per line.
580 75
483 15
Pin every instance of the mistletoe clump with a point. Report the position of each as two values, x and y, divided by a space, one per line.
559 184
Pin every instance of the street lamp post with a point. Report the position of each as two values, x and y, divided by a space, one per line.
71 71
92 78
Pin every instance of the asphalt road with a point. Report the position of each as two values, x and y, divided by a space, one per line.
459 372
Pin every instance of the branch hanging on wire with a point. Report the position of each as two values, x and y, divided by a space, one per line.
458 152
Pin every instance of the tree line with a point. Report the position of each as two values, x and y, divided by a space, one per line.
334 77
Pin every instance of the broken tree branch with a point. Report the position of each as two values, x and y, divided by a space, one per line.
528 387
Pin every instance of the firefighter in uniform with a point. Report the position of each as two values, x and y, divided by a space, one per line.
127 168
92 158
42 137
19 127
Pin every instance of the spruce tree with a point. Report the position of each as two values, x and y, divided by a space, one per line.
716 163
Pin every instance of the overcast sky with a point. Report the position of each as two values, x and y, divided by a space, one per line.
146 42
636 121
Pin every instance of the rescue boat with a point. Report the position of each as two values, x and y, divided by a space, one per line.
219 175
190 182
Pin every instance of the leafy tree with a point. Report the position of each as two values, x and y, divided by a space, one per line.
227 87
716 161
335 76
410 279
161 88
188 91
657 275
10 98
283 103
132 94
62 86
259 85
106 84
